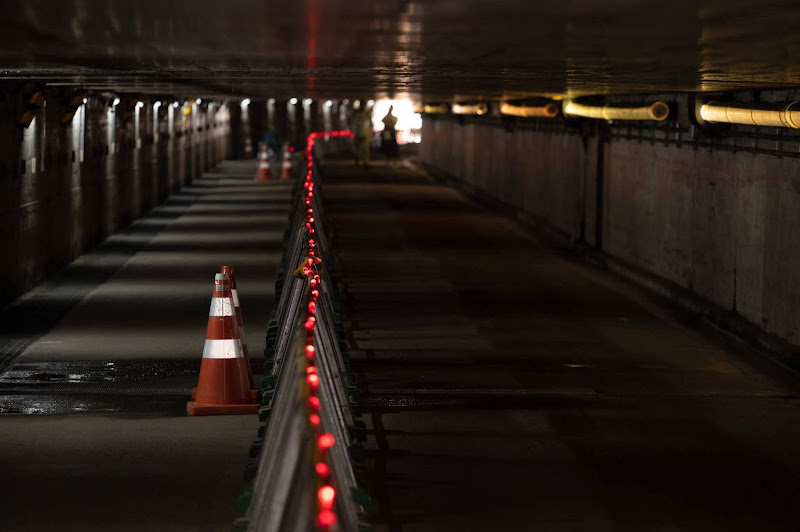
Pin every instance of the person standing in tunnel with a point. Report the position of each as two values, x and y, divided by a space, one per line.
389 136
362 133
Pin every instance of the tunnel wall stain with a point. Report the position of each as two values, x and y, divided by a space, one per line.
721 224
66 187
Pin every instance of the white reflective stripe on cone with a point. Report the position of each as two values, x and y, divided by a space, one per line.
222 287
221 306
235 293
231 348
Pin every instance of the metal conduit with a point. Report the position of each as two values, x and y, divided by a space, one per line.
475 109
435 109
549 110
765 114
655 111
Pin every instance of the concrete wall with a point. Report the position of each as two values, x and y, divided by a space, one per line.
64 187
541 175
724 224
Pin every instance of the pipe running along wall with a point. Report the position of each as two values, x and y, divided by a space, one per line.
472 109
763 114
656 111
549 110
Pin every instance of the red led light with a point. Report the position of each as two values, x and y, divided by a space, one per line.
322 469
326 518
315 420
326 495
310 323
310 352
315 293
313 381
312 307
311 369
313 404
325 441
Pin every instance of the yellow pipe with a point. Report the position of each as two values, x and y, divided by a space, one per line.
435 109
654 111
476 109
775 115
548 111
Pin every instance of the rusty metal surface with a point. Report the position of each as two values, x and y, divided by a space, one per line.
437 49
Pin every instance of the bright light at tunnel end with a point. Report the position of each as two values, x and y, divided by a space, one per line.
409 123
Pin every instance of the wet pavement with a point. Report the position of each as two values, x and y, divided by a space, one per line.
122 354
510 387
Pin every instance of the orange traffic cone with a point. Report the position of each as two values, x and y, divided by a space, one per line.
264 173
223 386
255 393
228 269
287 171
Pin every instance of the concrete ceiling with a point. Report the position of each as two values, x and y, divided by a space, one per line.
434 49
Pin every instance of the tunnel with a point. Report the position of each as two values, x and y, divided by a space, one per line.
409 265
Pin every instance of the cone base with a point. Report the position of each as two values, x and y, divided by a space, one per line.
263 177
255 394
197 409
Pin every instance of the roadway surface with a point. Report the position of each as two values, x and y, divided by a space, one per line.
106 443
509 387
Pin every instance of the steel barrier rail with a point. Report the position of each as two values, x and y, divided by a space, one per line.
303 474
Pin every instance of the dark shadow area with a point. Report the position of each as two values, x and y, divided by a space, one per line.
514 388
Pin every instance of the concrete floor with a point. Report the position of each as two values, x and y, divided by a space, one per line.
508 387
122 362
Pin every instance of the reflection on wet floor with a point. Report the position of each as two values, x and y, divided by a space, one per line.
154 386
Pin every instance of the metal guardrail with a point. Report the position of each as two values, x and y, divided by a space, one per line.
303 462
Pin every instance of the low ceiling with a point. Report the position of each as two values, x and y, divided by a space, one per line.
436 50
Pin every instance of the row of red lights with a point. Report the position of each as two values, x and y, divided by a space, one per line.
326 494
